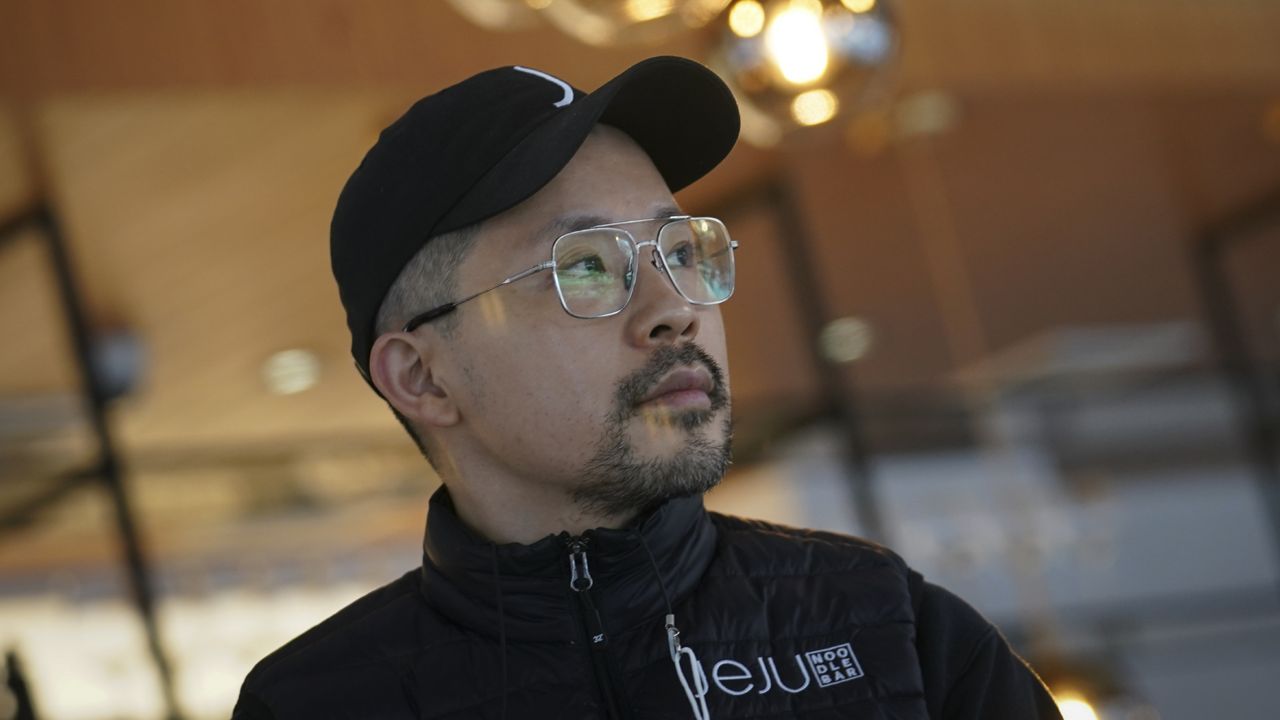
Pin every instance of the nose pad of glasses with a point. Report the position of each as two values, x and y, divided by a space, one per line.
655 259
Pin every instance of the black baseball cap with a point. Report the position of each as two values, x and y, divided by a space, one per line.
482 146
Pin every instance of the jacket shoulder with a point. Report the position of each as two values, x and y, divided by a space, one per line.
333 636
745 542
365 642
968 667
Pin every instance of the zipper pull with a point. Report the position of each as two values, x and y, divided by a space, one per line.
579 580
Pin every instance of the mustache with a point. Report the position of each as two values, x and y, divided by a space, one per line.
633 388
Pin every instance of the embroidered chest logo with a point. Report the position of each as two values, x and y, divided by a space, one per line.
825 667
834 665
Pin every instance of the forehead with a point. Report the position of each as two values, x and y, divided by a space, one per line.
571 221
610 179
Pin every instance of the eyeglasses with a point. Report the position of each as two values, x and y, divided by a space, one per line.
595 268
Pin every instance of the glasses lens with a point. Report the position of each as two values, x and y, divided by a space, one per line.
699 255
595 270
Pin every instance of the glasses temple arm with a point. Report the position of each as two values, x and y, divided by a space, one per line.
422 318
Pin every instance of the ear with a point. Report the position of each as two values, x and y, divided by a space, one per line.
400 365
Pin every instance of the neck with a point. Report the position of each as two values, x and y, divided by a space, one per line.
522 513
470 580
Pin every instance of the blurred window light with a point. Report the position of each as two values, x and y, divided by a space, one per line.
859 6
814 107
91 658
291 371
746 18
8 703
796 44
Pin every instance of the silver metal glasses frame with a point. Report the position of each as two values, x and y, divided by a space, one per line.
657 260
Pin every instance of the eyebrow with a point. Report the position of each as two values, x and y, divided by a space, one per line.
582 221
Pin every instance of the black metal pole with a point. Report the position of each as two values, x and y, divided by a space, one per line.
838 382
24 707
12 226
840 401
112 472
1257 417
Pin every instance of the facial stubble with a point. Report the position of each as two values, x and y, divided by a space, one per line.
617 482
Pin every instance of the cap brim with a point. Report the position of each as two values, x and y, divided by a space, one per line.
679 112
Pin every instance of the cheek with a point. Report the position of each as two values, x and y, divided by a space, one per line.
711 338
574 381
544 416
546 389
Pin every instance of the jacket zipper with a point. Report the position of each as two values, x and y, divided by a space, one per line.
580 582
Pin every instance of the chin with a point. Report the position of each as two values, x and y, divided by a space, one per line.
658 461
664 432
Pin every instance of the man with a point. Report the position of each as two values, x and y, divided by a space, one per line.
524 292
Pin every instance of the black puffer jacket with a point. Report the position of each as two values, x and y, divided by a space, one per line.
785 624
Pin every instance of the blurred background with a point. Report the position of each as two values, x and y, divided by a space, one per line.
1009 302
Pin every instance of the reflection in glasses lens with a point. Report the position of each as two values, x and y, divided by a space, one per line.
699 258
595 269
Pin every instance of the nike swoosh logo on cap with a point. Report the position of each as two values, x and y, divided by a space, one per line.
568 91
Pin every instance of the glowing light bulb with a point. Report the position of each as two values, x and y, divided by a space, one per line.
796 45
814 107
746 18
773 53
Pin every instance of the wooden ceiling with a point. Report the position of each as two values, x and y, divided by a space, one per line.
193 150
62 46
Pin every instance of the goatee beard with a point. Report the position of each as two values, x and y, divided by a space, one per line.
617 483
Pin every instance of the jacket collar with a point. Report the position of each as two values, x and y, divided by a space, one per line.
524 589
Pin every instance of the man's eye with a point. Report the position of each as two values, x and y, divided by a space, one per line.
680 255
586 265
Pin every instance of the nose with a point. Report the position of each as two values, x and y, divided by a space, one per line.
658 313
